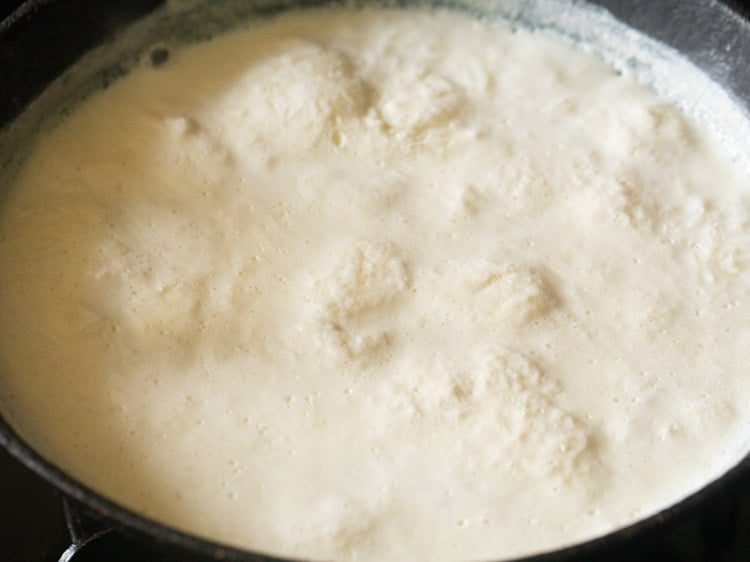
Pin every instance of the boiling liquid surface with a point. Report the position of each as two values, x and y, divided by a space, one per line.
380 285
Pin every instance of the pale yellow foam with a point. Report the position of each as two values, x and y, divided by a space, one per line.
379 286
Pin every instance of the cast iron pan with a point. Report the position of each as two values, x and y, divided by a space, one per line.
44 37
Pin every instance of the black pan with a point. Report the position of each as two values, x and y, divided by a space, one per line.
42 38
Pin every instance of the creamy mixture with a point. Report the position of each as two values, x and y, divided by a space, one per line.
380 286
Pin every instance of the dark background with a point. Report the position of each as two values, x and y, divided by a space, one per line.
7 6
32 527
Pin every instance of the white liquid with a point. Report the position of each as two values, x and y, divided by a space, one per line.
380 286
